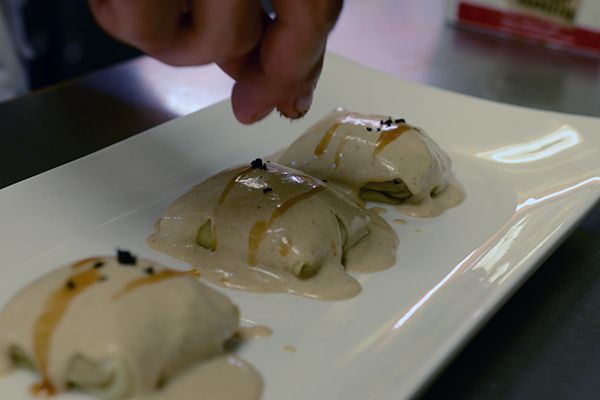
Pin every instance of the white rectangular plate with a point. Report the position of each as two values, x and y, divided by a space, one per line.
530 177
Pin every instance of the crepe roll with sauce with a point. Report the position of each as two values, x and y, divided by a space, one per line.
269 228
378 158
114 327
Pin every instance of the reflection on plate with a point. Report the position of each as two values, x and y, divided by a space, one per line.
530 177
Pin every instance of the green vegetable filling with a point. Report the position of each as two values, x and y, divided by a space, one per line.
206 236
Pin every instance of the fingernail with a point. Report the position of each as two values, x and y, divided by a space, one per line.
303 103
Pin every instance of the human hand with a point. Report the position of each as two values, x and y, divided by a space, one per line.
275 63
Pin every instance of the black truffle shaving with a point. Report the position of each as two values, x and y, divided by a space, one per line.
400 121
125 257
267 190
369 129
98 264
258 164
149 270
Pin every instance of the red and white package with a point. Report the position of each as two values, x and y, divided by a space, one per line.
572 25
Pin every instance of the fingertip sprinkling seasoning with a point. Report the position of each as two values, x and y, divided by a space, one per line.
125 257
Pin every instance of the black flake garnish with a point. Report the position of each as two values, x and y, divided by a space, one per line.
98 264
71 284
324 180
378 129
149 270
400 121
102 278
369 129
267 190
125 257
258 164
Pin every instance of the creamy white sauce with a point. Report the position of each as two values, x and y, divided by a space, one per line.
224 377
433 206
256 331
116 330
299 218
375 251
353 150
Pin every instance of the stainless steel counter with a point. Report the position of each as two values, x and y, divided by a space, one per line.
544 343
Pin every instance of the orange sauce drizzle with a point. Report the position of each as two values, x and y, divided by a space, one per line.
260 228
257 234
285 246
340 151
83 262
155 278
324 143
43 389
388 137
231 183
289 203
333 247
47 322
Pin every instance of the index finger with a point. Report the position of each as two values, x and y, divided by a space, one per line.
284 71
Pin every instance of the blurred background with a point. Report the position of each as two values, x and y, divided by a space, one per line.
46 42
51 41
